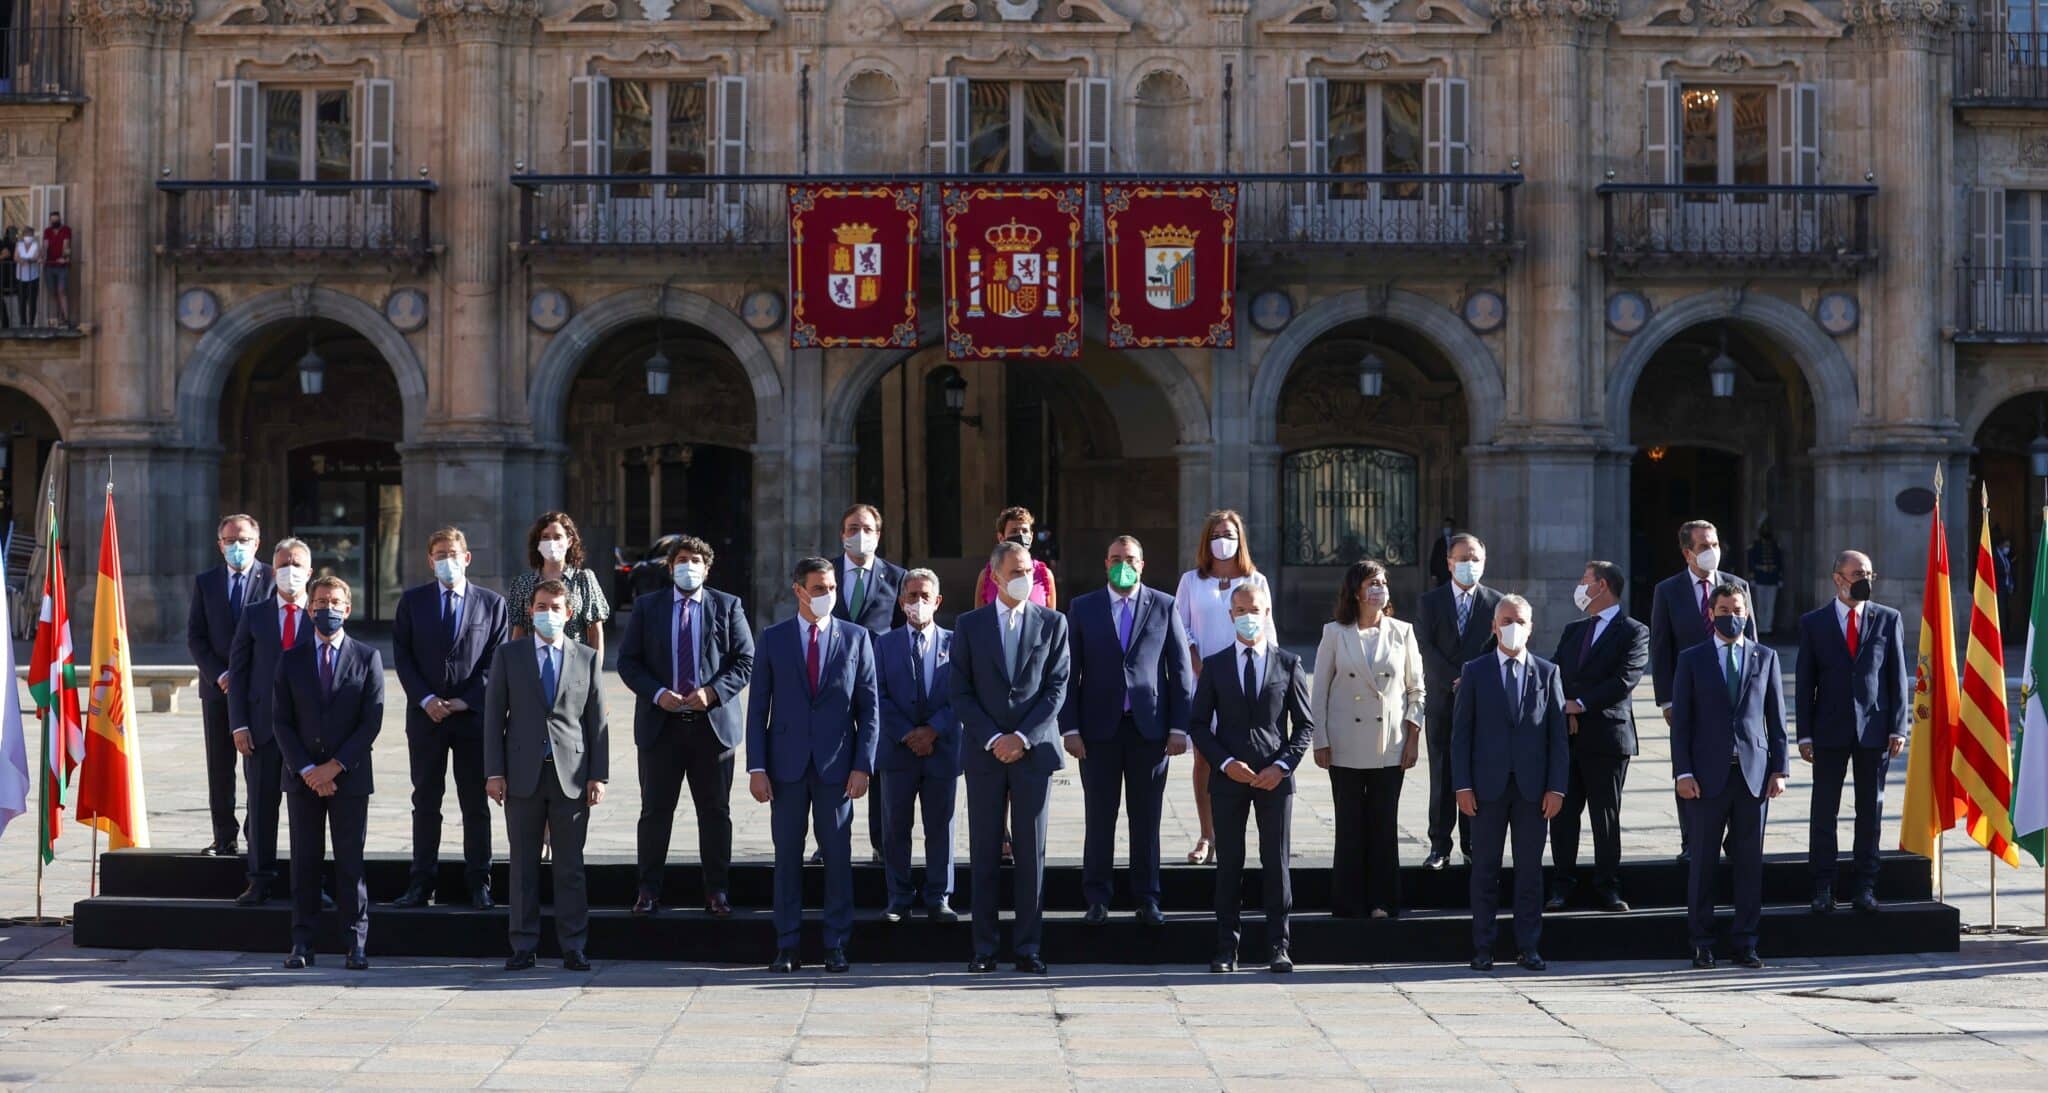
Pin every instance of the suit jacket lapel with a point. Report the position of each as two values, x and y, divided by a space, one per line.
836 641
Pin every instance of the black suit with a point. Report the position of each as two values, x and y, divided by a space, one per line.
316 723
210 637
1600 677
252 679
1274 727
431 663
1445 651
1677 623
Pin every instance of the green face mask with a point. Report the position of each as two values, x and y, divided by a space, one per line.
1123 576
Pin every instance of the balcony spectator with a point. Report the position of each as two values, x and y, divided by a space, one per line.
9 317
57 263
28 272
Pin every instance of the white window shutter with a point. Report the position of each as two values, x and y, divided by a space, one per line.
375 102
1988 283
1798 135
237 121
42 201
590 124
731 98
1308 149
946 125
1447 141
1087 124
1662 141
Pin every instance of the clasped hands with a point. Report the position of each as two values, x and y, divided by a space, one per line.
440 709
1270 778
764 791
321 778
696 701
1553 803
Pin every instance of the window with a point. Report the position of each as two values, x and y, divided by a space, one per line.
1375 128
1016 126
1341 504
308 134
659 128
2026 227
1727 136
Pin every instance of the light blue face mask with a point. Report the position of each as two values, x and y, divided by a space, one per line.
688 575
1249 627
448 570
237 554
1468 573
548 624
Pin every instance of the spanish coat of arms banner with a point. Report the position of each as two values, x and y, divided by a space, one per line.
1169 260
853 265
1013 270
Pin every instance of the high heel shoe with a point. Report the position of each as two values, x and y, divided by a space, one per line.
1203 854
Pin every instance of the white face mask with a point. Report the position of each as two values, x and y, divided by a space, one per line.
554 550
821 605
291 580
919 612
1708 560
1018 588
1376 595
1582 596
1468 573
861 544
1223 549
449 570
1514 637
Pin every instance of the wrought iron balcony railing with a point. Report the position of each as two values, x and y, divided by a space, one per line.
42 64
2002 303
355 219
1693 227
1444 214
2001 68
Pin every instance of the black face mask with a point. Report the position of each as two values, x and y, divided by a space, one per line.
1859 589
1021 538
1729 626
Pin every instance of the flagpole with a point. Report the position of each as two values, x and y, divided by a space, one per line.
92 884
1993 927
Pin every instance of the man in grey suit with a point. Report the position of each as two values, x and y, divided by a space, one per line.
546 760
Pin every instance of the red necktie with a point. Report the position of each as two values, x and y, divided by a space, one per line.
291 625
1706 605
811 662
1855 639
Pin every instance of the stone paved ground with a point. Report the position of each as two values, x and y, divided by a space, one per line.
72 1017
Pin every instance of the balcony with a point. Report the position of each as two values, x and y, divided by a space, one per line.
2002 304
2001 68
1753 229
1441 215
42 65
356 220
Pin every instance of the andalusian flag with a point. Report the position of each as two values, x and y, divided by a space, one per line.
1932 803
53 683
110 788
1983 759
14 769
2030 789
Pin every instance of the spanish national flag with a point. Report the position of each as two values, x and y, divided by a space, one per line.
1983 757
110 781
1932 796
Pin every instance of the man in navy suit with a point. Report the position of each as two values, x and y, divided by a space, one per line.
1251 720
330 704
869 588
1511 764
919 747
686 654
1728 755
1850 703
1126 711
1009 679
1679 619
1600 659
262 635
441 643
811 725
218 597
1452 625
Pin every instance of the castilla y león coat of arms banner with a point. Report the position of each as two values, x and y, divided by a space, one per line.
1013 270
853 265
1169 257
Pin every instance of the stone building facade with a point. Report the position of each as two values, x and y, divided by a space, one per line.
1758 260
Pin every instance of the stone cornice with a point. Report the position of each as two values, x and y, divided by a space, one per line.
1553 20
133 22
480 18
1916 23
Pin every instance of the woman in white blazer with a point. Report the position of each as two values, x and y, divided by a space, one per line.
1367 705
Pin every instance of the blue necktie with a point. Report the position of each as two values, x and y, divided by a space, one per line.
917 681
235 596
448 613
1464 610
326 670
1514 693
548 685
1123 637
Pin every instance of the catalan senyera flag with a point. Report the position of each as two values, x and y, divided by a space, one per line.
110 783
2030 785
1983 756
53 685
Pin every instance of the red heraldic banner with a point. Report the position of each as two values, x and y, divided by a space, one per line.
853 265
1013 271
1169 256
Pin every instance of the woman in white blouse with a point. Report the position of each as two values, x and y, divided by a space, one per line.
1223 561
1367 704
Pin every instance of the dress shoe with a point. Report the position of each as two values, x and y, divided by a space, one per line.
875 858
574 961
645 903
717 905
480 898
1612 901
300 958
1098 915
326 900
1149 914
1684 857
1532 961
1482 962
255 894
356 961
220 850
941 912
1556 901
894 914
415 896
785 961
1823 901
1031 963
1748 958
1866 902
818 856
1703 957
835 961
519 961
1223 965
982 962
1281 963
1436 861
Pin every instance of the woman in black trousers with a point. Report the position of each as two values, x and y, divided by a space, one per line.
1367 704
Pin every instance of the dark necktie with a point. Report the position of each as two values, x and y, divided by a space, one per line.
290 637
1251 674
1706 606
1123 637
548 679
1734 674
1586 646
917 682
860 594
811 662
686 648
1514 692
326 670
235 597
448 613
1464 611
